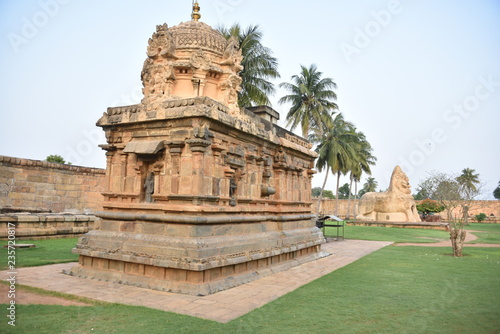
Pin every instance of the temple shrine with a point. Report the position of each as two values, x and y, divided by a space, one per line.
201 195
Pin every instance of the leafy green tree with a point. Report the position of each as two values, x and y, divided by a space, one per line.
480 217
328 194
429 206
421 195
451 193
56 158
259 65
496 192
316 191
344 191
311 97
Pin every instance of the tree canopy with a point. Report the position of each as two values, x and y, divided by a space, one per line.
56 158
496 192
311 96
259 65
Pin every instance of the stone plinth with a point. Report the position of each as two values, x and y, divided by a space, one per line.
200 195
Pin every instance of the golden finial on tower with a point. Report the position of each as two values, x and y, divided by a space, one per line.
195 16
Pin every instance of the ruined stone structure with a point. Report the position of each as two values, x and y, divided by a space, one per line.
394 205
201 195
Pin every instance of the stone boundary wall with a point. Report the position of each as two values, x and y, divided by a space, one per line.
53 187
490 208
38 226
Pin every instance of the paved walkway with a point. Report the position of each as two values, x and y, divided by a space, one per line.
223 306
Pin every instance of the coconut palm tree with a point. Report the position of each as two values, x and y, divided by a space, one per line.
361 164
258 65
370 186
335 150
468 182
312 99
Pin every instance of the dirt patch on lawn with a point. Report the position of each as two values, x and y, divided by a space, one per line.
468 238
24 297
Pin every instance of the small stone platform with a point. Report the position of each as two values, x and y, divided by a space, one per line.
45 225
20 246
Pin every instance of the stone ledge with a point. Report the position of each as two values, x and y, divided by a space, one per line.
214 219
51 165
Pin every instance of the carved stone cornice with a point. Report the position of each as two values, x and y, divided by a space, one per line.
198 144
175 147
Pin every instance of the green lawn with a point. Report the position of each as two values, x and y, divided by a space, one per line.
393 234
47 251
394 290
483 227
491 234
486 238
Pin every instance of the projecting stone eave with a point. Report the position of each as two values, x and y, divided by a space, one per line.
203 106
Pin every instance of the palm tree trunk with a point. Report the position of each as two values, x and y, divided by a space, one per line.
355 206
348 214
337 195
321 193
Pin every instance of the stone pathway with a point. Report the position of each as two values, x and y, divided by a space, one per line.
223 306
468 237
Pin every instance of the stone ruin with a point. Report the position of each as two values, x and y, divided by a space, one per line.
200 195
394 205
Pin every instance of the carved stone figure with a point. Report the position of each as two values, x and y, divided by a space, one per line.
232 54
280 156
231 87
199 60
232 191
157 72
162 43
149 186
396 204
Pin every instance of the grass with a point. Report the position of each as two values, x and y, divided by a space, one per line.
483 227
486 238
394 290
47 251
491 234
394 234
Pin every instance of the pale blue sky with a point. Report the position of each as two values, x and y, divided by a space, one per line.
420 78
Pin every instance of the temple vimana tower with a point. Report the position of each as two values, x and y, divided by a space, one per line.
201 195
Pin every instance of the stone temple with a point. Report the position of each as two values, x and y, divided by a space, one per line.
201 195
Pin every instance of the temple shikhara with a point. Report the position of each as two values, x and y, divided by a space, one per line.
201 195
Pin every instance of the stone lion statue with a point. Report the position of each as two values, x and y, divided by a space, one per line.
394 205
